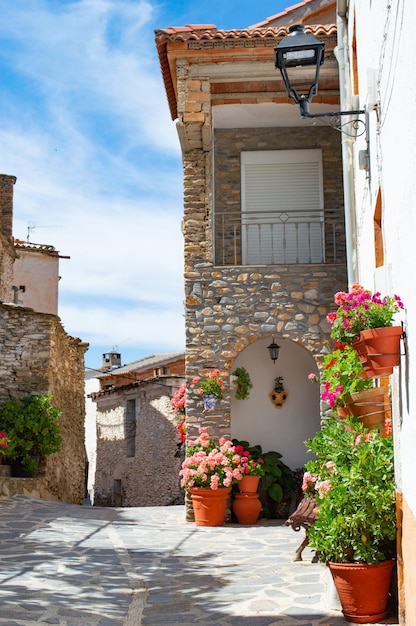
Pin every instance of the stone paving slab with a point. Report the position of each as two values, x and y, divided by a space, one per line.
91 566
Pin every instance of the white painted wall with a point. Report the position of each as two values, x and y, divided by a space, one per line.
385 52
36 275
92 385
258 421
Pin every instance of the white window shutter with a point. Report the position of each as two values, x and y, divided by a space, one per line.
282 207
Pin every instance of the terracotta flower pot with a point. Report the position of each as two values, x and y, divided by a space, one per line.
382 346
246 507
368 406
209 505
361 349
362 590
248 484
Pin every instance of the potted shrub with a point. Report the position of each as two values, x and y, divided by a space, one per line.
243 382
33 431
355 530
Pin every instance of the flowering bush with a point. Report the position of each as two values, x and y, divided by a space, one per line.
178 403
360 310
251 466
211 464
352 480
4 441
213 384
343 374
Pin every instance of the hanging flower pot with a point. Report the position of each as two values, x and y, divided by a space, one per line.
362 590
278 396
209 505
210 402
360 347
246 507
382 346
368 407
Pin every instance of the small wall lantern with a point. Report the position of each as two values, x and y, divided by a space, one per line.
273 349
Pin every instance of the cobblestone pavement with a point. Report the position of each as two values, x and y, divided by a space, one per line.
89 566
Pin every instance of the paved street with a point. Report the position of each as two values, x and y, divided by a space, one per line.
89 566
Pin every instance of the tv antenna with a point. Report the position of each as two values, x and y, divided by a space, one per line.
32 226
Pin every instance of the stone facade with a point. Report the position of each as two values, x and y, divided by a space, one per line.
227 308
138 459
7 252
39 357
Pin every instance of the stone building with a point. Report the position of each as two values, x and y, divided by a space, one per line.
38 356
137 451
264 232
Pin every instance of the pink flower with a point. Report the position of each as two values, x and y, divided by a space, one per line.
323 487
331 317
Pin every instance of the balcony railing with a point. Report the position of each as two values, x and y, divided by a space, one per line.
279 238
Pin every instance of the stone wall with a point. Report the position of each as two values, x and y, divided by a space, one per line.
7 252
39 357
149 474
227 308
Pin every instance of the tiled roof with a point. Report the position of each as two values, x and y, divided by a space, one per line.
154 360
19 243
209 32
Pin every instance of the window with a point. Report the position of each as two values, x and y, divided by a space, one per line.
130 428
282 218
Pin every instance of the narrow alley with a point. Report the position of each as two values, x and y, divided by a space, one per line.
88 566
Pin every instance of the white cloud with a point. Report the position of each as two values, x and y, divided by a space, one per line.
85 128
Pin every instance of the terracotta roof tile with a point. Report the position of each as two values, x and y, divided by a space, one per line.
209 32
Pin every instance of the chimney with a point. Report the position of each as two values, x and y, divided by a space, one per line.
6 204
111 360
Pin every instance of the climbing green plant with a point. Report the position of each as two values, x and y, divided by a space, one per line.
243 382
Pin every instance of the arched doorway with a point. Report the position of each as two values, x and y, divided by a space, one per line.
258 421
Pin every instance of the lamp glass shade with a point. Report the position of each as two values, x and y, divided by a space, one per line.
296 51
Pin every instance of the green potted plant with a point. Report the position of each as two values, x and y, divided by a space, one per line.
243 382
355 530
33 431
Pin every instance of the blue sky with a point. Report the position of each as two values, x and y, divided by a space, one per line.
85 128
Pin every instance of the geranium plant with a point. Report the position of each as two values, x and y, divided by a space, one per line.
212 384
343 374
277 479
359 310
352 480
251 466
210 463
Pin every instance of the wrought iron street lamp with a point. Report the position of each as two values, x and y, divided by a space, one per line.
303 50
